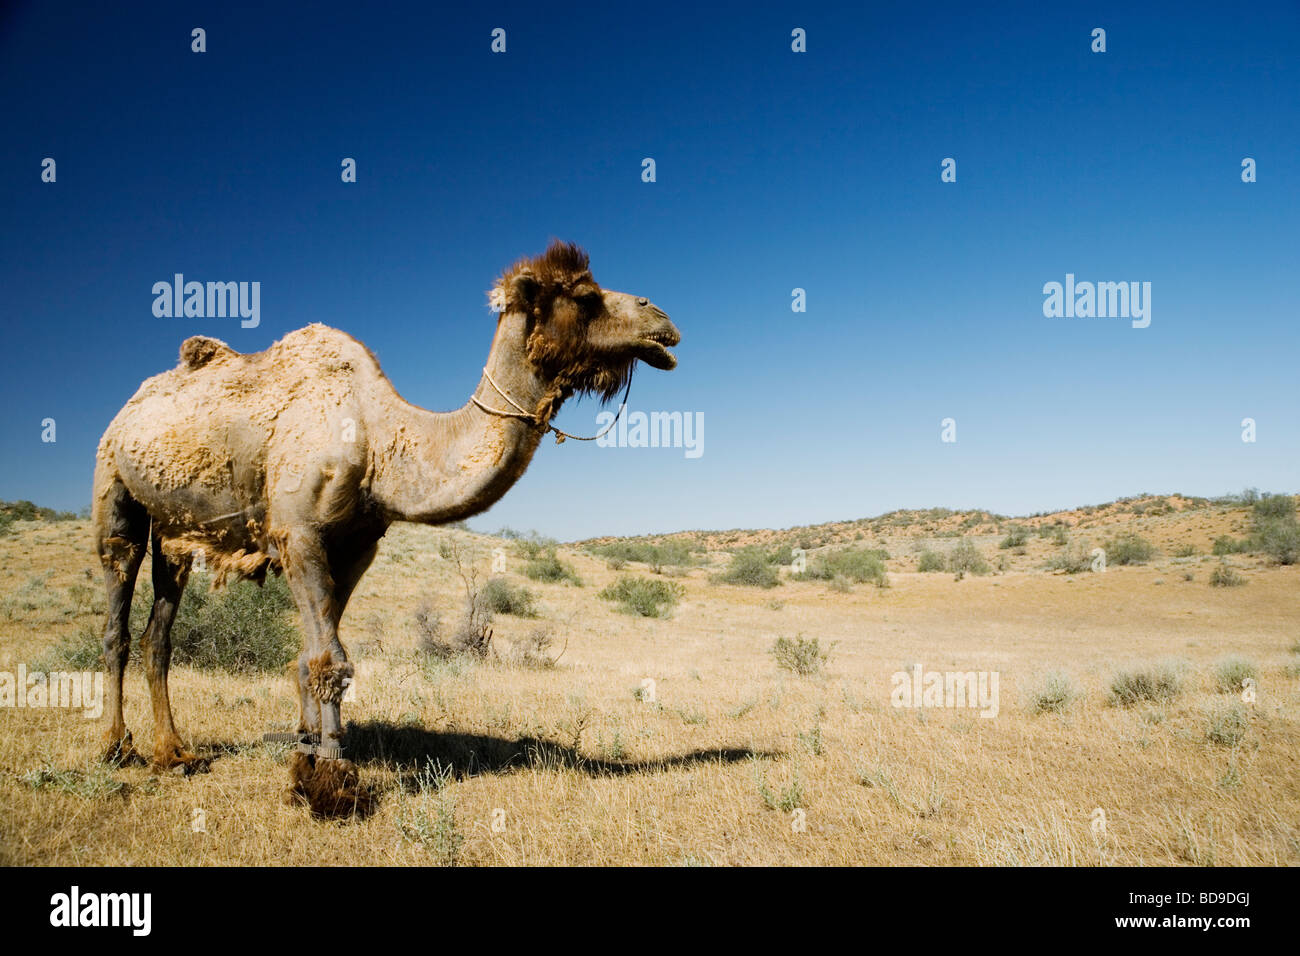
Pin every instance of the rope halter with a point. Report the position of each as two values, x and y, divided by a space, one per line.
530 417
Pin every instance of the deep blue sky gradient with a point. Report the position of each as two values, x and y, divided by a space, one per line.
775 170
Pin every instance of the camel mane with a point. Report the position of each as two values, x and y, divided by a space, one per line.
549 289
533 282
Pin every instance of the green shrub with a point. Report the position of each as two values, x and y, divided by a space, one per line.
21 510
533 651
1224 577
425 814
1055 533
1273 507
647 597
1017 536
931 561
96 782
1156 682
657 556
27 511
547 567
965 558
750 568
1185 551
1053 694
784 556
801 656
1128 549
470 638
1231 674
532 545
1279 538
501 597
1071 561
82 651
786 799
242 628
1224 545
858 566
1226 724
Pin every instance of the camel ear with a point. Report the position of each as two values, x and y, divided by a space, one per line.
521 291
516 293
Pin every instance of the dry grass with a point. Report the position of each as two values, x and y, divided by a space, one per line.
495 763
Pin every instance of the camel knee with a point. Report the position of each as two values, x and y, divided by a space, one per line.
121 557
117 647
327 676
116 643
308 706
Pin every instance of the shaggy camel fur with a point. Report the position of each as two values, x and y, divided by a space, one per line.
297 459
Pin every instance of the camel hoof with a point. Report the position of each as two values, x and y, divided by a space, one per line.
187 768
180 763
121 753
331 788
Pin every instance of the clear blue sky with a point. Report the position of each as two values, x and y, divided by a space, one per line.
775 170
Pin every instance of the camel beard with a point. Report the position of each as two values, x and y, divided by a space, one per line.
570 374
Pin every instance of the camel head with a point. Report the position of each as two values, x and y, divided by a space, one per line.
579 337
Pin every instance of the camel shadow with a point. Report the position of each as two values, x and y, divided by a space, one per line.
410 751
403 747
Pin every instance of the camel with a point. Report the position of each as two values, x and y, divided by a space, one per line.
297 459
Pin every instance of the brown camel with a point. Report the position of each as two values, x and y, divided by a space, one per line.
297 459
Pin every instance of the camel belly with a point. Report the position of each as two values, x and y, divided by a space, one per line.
215 529
203 495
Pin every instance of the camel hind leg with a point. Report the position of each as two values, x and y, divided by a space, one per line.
169 577
121 536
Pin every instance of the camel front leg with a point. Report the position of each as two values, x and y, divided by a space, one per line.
326 780
323 667
345 571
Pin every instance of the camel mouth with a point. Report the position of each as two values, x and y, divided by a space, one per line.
652 348
655 355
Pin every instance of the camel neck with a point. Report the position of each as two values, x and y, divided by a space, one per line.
436 467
